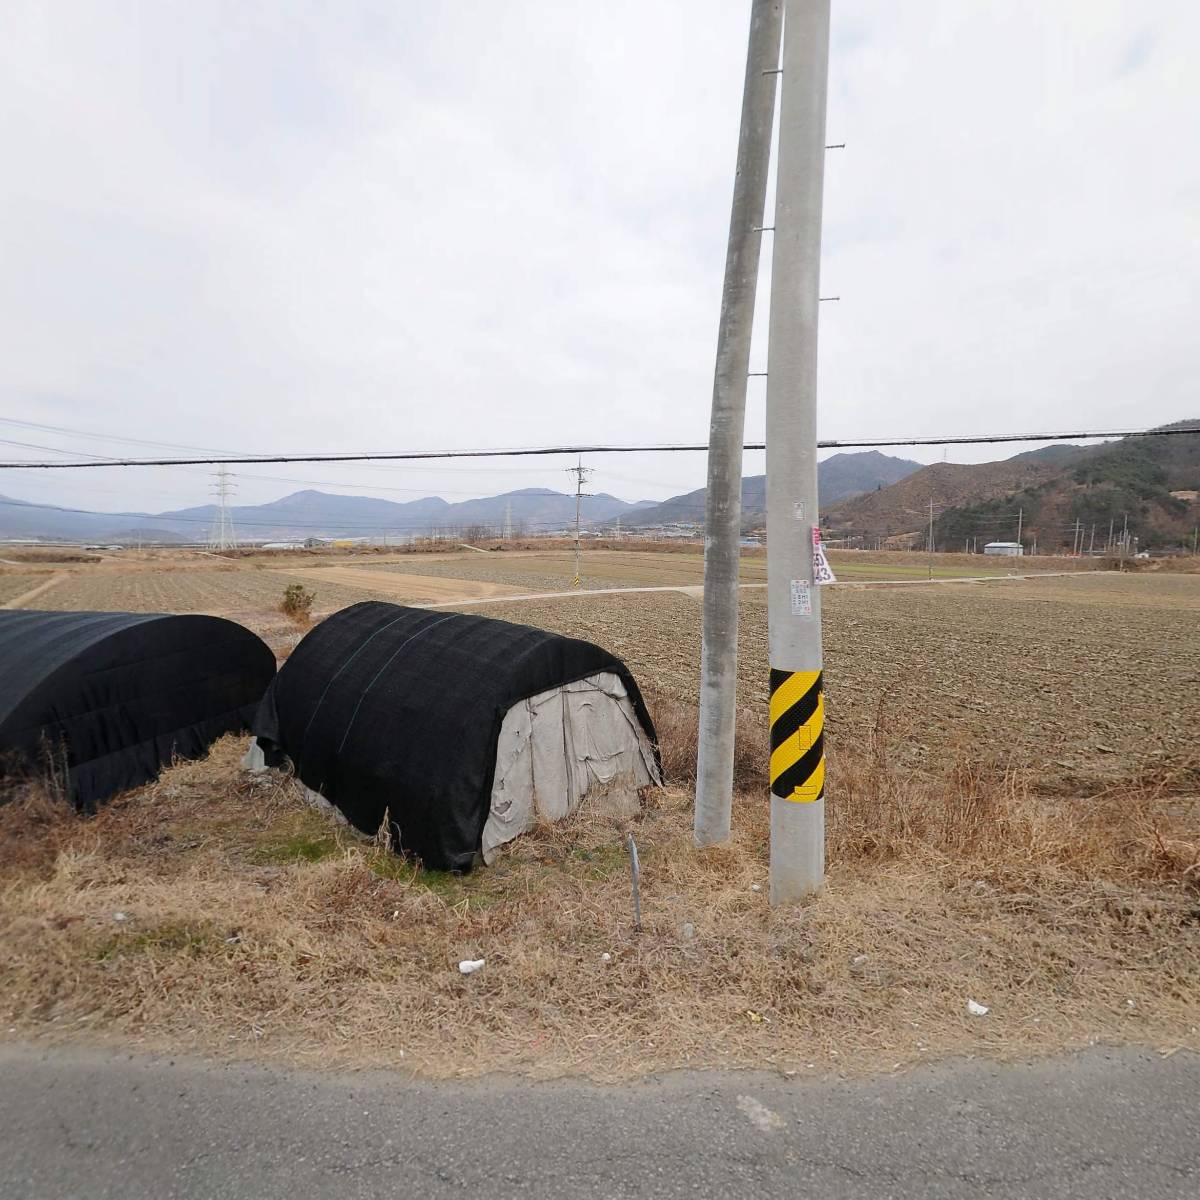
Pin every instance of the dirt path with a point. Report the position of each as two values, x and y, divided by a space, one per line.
696 591
33 593
417 589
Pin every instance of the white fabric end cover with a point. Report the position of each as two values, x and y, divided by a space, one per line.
560 745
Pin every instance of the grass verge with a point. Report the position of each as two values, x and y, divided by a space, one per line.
220 914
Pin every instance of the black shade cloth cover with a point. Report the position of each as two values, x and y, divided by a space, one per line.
118 695
382 707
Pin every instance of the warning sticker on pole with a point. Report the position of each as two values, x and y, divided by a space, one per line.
801 598
822 571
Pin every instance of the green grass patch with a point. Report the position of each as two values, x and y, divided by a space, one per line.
394 866
192 940
296 849
301 835
601 861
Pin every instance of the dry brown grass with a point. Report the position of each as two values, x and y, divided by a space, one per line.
254 925
677 725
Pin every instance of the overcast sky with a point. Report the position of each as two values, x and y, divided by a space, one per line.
296 226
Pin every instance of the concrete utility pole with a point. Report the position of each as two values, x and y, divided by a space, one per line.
723 506
1020 523
793 603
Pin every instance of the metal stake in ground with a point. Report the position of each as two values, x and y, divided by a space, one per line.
635 876
794 604
723 507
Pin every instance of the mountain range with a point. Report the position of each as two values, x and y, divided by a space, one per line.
1055 495
1058 497
313 513
838 477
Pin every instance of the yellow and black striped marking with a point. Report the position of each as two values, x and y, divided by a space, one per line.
797 736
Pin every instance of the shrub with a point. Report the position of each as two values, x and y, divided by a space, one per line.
297 603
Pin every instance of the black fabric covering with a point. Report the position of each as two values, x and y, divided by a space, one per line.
382 707
120 694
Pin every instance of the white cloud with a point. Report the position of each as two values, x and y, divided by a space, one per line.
277 226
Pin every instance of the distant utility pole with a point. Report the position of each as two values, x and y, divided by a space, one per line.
1020 523
723 505
1124 540
1108 548
581 473
223 535
797 706
1195 540
930 537
1092 544
508 532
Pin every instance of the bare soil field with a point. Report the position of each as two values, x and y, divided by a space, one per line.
601 569
216 590
14 585
1086 680
188 580
555 571
403 588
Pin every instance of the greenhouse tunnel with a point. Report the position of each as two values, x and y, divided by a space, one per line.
105 701
461 731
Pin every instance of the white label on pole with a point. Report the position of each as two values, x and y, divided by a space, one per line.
801 598
822 571
798 510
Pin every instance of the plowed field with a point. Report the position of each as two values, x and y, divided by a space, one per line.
1091 678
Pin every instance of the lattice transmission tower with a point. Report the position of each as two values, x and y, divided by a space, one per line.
223 536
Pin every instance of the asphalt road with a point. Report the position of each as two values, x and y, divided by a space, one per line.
95 1124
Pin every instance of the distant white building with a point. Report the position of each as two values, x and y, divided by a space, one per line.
1009 549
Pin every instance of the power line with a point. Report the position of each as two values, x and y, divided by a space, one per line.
597 448
89 435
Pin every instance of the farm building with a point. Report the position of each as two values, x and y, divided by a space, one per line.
106 700
458 730
1009 549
